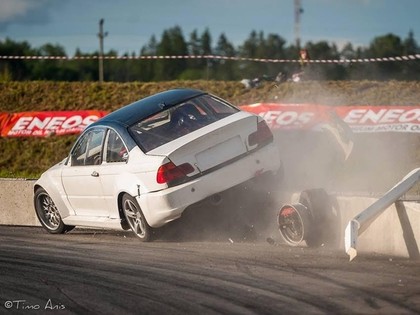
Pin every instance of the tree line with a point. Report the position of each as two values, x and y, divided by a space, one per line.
258 45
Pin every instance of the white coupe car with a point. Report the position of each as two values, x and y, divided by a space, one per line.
143 165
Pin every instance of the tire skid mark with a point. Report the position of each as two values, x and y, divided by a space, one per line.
219 289
366 295
120 274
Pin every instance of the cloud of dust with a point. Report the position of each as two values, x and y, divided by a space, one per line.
310 160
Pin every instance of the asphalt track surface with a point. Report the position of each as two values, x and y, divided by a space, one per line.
108 272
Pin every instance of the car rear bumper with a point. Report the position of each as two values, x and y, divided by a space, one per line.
167 205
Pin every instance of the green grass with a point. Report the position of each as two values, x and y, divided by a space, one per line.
29 157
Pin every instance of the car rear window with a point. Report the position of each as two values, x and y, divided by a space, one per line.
179 120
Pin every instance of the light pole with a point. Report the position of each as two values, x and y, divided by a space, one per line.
298 12
101 36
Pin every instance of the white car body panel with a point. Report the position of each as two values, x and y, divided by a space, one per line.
213 144
166 205
163 206
89 200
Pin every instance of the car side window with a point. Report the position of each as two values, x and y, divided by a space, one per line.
78 153
115 148
94 151
88 150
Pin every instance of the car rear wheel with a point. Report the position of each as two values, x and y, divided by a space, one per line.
135 218
48 214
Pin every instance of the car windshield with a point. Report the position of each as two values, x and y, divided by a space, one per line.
179 120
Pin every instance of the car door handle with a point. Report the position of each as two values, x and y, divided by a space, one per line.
95 174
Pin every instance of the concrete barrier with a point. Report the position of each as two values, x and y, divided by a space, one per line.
16 202
384 236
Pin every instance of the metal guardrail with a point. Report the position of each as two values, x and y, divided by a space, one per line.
364 219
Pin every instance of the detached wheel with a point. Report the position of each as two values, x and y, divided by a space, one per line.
48 214
326 218
135 218
294 223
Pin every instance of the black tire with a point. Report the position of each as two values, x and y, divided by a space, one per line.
135 218
48 214
325 217
294 224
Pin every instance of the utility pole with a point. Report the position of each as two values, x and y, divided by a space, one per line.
298 12
101 36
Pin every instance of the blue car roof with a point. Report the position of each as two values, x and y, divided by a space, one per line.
137 111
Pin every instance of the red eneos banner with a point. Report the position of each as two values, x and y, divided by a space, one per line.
42 124
3 119
358 118
278 116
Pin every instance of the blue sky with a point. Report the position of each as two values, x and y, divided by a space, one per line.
130 23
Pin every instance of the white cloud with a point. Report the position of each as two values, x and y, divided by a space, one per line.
12 9
26 12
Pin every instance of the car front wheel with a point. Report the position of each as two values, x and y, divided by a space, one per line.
135 218
294 224
48 214
325 218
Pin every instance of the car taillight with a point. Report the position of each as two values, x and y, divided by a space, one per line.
169 172
262 136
